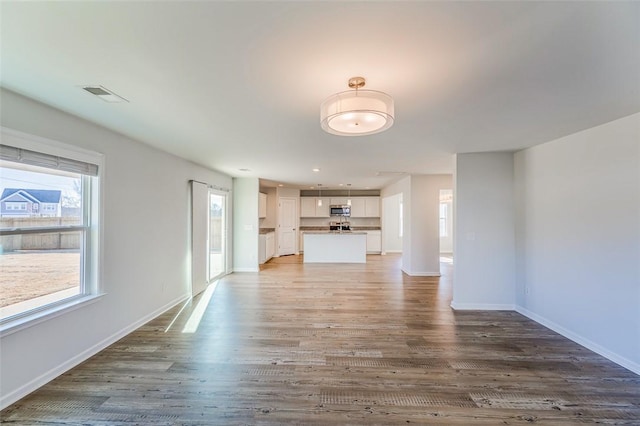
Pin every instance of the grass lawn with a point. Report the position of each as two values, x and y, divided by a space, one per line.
25 275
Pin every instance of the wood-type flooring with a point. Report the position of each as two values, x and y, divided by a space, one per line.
336 345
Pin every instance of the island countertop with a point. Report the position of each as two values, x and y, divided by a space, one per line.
334 233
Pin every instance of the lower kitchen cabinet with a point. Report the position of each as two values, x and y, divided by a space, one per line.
266 246
374 241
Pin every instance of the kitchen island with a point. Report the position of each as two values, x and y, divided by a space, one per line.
335 247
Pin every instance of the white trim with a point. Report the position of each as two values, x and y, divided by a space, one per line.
246 269
421 274
45 378
600 350
32 142
482 306
36 316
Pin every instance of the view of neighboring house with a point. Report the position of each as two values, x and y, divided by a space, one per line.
16 202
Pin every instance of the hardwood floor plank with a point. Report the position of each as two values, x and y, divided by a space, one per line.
337 344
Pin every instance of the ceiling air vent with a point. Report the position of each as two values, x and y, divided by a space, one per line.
104 94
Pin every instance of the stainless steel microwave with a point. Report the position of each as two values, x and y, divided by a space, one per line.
340 210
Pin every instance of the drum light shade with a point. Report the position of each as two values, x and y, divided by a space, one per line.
357 112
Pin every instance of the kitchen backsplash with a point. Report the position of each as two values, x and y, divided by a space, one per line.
324 221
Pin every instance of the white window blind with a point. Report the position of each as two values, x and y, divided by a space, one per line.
24 156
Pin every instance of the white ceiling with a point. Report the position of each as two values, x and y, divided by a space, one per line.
238 85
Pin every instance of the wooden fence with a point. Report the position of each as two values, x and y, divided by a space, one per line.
46 241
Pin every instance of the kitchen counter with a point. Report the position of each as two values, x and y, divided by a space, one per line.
326 228
334 232
335 247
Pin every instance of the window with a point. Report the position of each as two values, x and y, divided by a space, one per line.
47 263
16 206
443 220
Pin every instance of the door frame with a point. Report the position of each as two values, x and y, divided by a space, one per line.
224 236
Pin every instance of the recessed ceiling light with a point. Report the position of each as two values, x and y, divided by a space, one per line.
341 184
316 170
244 170
280 184
104 94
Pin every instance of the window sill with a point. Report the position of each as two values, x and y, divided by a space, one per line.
48 313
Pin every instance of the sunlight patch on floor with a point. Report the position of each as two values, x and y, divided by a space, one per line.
196 316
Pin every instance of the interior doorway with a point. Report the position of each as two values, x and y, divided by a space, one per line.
446 225
217 247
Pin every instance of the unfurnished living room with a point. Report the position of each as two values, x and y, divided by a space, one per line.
278 212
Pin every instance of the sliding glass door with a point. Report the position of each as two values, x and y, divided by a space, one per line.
217 234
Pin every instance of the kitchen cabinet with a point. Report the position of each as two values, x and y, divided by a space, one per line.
266 246
340 201
323 210
358 207
262 205
374 241
271 245
301 246
372 207
365 207
309 207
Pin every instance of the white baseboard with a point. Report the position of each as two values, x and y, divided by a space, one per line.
482 306
26 389
620 360
246 270
421 274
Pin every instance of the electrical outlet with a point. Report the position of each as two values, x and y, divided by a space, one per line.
527 290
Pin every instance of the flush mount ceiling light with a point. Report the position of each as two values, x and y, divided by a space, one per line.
357 112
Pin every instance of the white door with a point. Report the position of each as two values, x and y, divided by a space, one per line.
287 224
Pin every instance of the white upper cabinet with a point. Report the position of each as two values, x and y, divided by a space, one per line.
360 206
357 207
309 207
365 207
262 205
322 209
372 207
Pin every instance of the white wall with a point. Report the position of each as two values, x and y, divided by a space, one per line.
146 251
245 224
484 234
391 239
578 227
